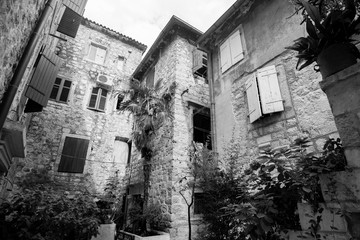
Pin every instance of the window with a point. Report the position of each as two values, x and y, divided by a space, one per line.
60 91
231 51
263 93
120 63
97 53
201 125
73 155
199 63
199 202
122 150
98 99
119 100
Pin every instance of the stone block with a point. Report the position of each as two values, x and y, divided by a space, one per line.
263 139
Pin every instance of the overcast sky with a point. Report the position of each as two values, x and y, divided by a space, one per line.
144 19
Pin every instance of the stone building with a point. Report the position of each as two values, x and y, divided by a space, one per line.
30 31
80 137
170 58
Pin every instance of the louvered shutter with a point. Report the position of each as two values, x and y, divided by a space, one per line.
269 89
100 55
225 57
69 23
77 6
253 99
73 155
150 78
197 60
236 49
43 79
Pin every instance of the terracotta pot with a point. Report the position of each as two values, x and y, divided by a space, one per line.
336 58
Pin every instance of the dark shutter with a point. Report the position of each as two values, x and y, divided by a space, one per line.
69 23
43 79
73 155
150 78
102 101
77 6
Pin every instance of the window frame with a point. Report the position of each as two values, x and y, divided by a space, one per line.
96 46
202 110
61 147
227 41
129 142
60 89
98 99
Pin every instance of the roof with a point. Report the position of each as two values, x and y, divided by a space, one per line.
112 33
173 27
226 22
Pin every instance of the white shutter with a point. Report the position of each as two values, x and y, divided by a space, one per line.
269 89
253 99
236 49
225 57
100 55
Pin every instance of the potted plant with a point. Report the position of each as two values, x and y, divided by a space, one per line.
330 26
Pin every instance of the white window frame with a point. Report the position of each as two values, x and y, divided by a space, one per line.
97 59
263 93
231 51
61 87
98 98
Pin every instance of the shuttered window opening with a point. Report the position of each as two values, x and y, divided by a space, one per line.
199 203
263 93
96 53
231 51
202 126
98 99
199 63
61 90
150 78
77 6
69 23
43 78
73 155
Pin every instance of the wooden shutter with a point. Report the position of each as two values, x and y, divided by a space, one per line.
150 78
73 155
236 49
77 6
269 89
69 23
225 56
100 55
253 99
43 79
197 60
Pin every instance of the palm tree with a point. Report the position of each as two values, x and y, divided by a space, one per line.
151 108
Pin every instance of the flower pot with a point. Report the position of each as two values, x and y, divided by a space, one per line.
106 232
336 58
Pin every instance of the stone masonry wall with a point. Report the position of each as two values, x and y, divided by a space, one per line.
17 20
48 128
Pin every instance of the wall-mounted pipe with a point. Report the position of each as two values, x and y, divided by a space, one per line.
10 93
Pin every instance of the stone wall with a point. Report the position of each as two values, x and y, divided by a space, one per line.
48 128
17 21
306 110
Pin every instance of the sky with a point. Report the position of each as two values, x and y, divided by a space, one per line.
143 20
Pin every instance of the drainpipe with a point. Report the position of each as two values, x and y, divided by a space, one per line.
10 93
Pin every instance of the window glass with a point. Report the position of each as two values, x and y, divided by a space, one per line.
98 99
73 155
61 90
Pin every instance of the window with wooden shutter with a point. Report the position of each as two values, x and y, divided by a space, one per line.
77 6
43 78
69 23
199 63
201 125
122 150
98 99
61 90
231 51
270 95
73 155
96 53
252 95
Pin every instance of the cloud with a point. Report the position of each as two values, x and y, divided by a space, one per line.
144 19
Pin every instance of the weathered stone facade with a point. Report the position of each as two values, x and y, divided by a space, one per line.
306 109
171 143
48 128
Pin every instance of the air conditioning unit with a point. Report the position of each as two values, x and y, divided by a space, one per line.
103 79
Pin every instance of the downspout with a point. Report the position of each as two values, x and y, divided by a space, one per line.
10 94
212 100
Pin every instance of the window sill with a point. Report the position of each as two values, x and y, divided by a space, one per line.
59 102
96 110
91 61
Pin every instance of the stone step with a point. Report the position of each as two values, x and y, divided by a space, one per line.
332 218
